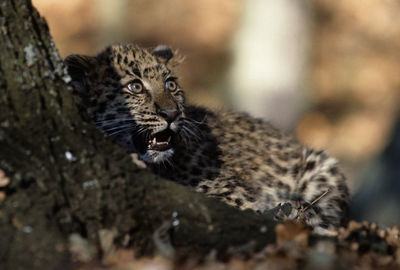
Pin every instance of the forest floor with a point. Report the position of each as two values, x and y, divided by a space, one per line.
359 246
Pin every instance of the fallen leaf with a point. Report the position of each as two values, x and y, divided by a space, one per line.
4 180
290 230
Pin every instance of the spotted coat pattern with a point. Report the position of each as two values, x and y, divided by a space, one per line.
243 161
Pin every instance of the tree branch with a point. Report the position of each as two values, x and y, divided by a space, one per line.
66 177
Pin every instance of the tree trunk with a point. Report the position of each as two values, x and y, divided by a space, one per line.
66 177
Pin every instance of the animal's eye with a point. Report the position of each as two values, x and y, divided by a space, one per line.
135 86
171 84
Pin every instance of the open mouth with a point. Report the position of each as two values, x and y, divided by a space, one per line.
161 141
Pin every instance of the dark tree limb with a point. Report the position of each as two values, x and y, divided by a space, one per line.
65 177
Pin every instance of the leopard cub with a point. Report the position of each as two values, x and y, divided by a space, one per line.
134 96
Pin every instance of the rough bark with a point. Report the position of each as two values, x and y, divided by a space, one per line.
66 177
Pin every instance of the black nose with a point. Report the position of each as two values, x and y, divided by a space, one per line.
168 115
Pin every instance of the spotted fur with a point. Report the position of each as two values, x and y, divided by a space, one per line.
243 161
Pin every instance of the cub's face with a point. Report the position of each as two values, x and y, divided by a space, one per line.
133 95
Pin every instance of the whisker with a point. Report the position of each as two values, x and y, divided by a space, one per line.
194 128
117 127
120 119
114 121
185 137
191 121
188 130
120 131
141 131
194 125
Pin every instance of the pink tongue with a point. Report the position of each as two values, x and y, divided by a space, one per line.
159 146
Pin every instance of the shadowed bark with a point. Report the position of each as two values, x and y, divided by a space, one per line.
66 177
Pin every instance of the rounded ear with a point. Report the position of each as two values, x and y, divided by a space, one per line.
164 52
167 56
78 66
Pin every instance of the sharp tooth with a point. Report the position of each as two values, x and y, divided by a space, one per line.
169 138
154 140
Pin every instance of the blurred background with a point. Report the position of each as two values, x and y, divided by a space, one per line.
324 70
